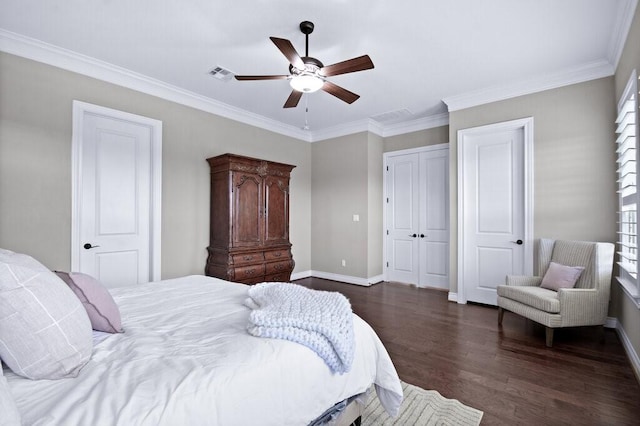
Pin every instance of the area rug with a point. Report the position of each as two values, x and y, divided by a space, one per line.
422 407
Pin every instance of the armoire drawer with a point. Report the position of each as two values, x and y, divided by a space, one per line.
280 278
278 267
272 255
248 258
247 272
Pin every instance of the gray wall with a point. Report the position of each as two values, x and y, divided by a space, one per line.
433 136
339 190
375 207
574 160
622 307
35 165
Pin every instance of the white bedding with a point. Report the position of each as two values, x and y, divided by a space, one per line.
186 358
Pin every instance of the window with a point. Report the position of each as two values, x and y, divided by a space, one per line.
628 162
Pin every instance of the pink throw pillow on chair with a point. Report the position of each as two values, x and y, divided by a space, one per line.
97 301
560 276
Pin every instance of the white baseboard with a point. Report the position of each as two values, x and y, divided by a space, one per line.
626 343
611 322
453 297
338 277
342 278
300 275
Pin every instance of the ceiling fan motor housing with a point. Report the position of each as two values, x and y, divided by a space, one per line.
306 27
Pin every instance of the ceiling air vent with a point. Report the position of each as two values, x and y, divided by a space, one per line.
391 116
221 73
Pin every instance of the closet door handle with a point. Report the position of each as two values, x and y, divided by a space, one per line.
413 235
518 242
422 235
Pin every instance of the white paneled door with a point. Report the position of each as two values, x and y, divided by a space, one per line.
116 196
403 221
434 219
494 202
417 232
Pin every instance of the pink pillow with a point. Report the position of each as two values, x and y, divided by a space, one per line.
97 301
560 276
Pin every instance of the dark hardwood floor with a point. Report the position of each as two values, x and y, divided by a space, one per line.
507 372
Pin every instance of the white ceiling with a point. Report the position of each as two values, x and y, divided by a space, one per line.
464 52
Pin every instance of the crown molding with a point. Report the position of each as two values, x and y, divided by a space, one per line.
30 48
341 130
382 130
49 54
624 19
40 51
423 123
591 71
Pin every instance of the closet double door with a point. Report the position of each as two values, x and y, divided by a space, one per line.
417 216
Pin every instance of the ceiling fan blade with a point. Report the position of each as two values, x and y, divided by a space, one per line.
289 51
293 99
261 77
360 63
339 92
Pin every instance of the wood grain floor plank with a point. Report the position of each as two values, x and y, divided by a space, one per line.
507 372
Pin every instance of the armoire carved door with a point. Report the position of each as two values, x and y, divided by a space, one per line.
249 235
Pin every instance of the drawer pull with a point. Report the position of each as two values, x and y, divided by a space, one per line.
278 267
248 258
277 254
250 271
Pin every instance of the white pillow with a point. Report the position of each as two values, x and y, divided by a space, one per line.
9 413
560 276
45 332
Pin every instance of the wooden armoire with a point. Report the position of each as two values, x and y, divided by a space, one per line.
249 220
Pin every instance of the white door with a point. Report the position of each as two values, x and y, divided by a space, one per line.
434 219
403 221
116 195
494 201
417 232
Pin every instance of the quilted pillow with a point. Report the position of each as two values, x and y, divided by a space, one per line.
560 276
96 299
8 409
44 330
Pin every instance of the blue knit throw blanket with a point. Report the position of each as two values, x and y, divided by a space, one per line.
320 320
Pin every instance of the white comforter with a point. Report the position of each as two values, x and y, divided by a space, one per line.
186 358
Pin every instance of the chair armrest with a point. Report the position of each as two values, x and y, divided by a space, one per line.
520 280
582 306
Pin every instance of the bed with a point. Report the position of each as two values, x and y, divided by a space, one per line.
185 357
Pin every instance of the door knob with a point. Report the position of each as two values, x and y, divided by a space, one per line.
413 235
518 242
421 235
88 246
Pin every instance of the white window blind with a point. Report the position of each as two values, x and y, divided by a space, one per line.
627 159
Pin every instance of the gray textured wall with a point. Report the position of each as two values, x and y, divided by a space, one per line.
35 165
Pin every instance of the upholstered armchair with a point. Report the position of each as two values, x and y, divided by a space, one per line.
585 304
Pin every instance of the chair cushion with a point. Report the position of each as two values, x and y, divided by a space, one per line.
576 253
560 276
536 297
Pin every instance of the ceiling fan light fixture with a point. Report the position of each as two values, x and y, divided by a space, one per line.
306 83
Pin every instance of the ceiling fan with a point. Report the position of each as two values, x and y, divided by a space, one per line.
308 74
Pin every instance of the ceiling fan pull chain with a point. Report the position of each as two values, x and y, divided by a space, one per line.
306 113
